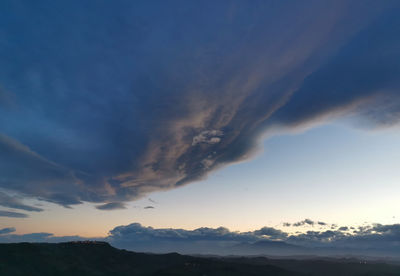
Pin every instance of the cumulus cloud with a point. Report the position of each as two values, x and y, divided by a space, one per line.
304 222
374 240
270 233
111 103
135 232
201 240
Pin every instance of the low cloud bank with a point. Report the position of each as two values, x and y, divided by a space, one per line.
376 238
373 240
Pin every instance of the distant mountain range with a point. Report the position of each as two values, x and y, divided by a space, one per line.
278 248
264 248
100 258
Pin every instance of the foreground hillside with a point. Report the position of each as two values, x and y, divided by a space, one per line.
99 258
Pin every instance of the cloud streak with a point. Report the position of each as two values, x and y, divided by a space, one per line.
111 206
11 214
13 202
7 230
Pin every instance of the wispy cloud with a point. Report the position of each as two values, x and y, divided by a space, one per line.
151 200
111 206
15 203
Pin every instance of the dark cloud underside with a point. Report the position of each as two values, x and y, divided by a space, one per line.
108 101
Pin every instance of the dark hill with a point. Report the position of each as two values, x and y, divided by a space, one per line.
99 258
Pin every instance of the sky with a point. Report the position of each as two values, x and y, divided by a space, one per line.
183 115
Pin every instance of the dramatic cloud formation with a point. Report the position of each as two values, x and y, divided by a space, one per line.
106 102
